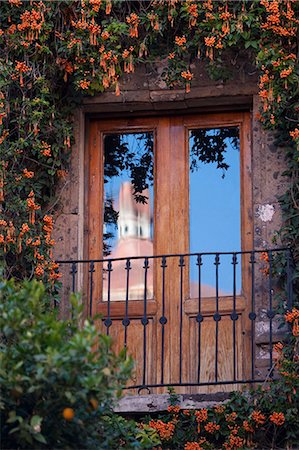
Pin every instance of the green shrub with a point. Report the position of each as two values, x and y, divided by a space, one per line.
58 379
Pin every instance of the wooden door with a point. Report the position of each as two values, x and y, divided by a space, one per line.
176 336
215 334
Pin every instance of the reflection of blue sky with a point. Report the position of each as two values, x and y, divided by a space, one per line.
215 218
214 213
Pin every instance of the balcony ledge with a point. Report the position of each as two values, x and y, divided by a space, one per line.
159 402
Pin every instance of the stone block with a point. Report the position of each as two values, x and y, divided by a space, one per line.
66 237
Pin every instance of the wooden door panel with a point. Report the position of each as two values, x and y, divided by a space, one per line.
135 309
201 342
205 371
136 347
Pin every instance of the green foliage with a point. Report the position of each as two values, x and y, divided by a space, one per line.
59 380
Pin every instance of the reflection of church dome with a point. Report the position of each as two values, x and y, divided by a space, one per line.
134 232
134 217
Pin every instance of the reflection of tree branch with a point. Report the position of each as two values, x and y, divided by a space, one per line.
118 156
110 217
141 198
209 146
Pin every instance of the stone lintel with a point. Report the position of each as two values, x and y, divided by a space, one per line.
167 104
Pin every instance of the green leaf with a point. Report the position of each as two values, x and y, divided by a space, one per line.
253 44
40 438
14 418
35 421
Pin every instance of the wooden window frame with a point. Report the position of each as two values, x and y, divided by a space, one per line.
94 194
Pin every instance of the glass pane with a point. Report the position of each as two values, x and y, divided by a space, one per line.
215 217
128 212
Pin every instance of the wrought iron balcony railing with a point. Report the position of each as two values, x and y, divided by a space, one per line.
201 319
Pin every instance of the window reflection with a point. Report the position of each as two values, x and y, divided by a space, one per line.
128 224
215 218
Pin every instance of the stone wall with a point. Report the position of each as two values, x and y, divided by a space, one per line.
268 164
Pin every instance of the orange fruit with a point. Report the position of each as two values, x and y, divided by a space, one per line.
68 413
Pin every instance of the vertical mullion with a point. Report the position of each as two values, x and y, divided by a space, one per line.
252 314
73 273
199 317
126 321
91 271
271 313
163 319
181 265
108 321
234 315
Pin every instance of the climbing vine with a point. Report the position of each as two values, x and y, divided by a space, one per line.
52 54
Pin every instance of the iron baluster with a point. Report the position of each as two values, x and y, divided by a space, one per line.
252 314
234 315
73 273
199 317
217 316
270 312
91 271
126 320
108 321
